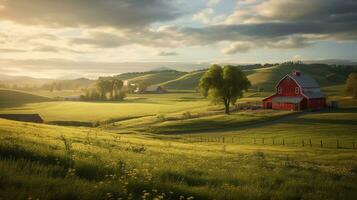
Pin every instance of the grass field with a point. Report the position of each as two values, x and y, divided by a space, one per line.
14 98
177 146
36 160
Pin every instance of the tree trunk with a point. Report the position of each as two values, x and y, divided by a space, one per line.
227 109
226 105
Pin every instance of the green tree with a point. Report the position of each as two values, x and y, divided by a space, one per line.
351 85
117 86
104 86
224 85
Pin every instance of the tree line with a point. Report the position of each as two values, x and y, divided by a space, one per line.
106 89
351 86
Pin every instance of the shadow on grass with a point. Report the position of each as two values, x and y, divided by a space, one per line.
17 152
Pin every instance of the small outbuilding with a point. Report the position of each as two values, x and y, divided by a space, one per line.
296 92
152 89
36 118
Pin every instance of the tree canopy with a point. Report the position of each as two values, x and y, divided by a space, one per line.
225 85
351 85
104 86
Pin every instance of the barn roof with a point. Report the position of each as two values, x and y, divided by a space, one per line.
305 81
314 95
280 99
152 88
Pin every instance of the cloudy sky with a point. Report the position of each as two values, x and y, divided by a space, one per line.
51 38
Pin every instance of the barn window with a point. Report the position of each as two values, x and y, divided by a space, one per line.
280 90
297 90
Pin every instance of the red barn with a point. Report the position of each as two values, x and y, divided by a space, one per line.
297 92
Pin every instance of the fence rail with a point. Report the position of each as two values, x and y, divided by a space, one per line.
294 142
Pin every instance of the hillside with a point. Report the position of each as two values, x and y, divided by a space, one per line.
267 77
54 162
186 82
12 98
23 80
152 78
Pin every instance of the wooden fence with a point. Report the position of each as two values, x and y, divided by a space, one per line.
294 142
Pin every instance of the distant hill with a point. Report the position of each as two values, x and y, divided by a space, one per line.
13 97
331 62
160 69
76 83
267 77
261 76
188 81
153 77
24 81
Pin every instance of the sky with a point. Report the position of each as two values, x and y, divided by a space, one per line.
89 38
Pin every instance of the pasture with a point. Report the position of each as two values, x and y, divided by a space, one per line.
178 146
38 159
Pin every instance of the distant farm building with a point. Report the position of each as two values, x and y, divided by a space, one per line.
73 98
296 92
36 118
152 89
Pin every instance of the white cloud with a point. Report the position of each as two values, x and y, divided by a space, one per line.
212 3
238 47
205 16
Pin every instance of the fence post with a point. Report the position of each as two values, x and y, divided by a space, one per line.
223 139
338 144
353 144
321 145
303 143
263 140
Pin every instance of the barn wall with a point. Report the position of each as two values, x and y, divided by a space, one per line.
267 101
316 103
303 104
283 106
288 87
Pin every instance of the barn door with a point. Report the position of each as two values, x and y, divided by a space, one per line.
269 105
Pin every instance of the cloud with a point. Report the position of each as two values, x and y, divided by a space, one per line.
114 39
292 10
204 16
57 67
237 47
128 29
11 50
211 3
53 49
100 40
167 53
89 13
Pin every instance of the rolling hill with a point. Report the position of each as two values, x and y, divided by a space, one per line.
12 98
186 82
157 77
267 77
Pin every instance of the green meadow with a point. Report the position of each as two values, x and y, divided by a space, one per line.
54 162
177 146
